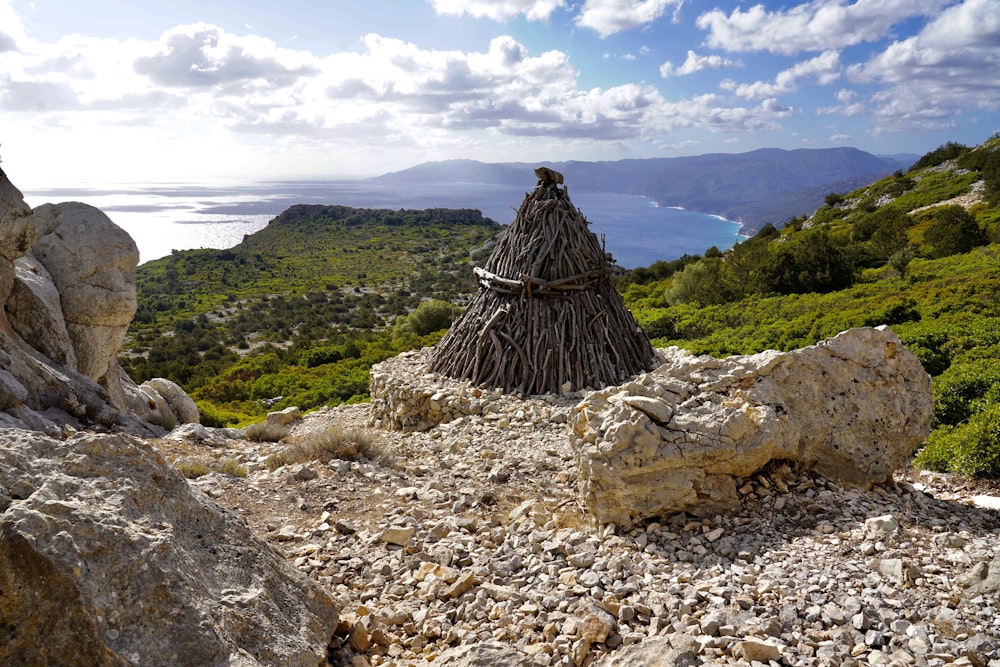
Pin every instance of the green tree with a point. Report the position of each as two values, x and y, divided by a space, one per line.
809 262
697 283
430 316
954 232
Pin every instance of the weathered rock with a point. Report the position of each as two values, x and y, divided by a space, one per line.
487 654
755 650
398 535
180 404
108 557
92 263
851 408
35 312
284 417
67 287
655 652
983 579
12 204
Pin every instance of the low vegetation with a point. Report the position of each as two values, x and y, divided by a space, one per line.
298 313
193 469
333 443
865 258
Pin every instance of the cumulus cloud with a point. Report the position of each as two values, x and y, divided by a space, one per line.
7 43
202 55
386 95
824 68
37 96
696 63
847 104
607 17
812 26
499 10
952 65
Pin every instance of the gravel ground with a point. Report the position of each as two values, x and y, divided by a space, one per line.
472 533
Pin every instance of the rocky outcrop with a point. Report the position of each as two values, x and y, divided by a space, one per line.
67 286
109 557
91 262
851 408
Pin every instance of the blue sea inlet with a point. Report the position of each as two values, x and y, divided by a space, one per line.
166 217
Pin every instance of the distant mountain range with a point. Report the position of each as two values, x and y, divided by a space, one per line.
769 185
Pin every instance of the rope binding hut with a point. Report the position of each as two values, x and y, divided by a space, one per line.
546 317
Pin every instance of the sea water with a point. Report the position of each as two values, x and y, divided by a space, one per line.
162 218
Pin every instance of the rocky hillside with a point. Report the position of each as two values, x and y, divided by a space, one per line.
500 530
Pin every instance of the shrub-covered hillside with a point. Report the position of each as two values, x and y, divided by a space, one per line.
917 250
297 313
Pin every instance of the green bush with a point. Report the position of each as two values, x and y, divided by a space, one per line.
939 155
215 417
431 316
954 232
971 449
966 389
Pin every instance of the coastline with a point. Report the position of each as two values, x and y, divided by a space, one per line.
742 234
167 217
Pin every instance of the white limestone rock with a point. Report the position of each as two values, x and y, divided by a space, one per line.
109 557
67 287
35 311
851 408
484 654
92 262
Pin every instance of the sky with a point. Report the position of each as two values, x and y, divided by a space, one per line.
225 91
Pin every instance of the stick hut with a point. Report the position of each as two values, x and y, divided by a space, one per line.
546 318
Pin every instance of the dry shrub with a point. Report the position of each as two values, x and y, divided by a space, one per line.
265 432
193 469
335 442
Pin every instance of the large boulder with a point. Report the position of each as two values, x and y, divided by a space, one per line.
851 408
92 263
68 295
109 557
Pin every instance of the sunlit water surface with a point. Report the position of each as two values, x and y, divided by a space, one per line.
165 217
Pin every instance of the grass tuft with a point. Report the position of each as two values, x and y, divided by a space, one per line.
265 432
336 442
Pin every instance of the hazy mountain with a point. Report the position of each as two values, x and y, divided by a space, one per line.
762 186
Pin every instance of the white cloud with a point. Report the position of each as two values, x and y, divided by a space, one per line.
696 63
772 107
206 102
841 138
848 104
11 28
606 17
824 68
812 26
951 66
499 10
202 55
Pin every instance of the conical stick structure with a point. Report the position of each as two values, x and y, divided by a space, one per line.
546 318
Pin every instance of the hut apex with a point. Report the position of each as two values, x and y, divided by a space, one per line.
546 318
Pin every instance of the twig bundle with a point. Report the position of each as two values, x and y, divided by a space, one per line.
546 318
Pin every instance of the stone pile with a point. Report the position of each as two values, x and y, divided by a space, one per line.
405 396
852 408
470 548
